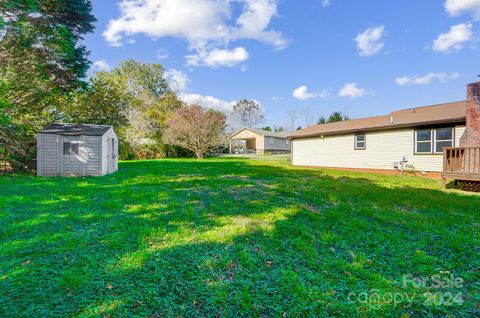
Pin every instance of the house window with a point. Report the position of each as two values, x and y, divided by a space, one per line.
70 148
429 141
66 148
360 142
423 141
271 141
287 142
443 138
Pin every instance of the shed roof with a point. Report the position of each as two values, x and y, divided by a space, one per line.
434 114
265 133
75 129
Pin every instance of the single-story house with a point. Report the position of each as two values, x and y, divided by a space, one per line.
76 150
259 141
413 138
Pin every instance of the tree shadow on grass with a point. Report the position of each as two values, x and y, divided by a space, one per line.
221 238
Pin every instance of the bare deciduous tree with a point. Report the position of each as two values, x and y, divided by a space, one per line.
249 113
196 129
308 116
291 120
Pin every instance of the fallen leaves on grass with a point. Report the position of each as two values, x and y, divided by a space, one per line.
26 262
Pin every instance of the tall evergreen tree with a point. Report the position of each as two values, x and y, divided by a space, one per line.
321 120
40 37
42 60
336 117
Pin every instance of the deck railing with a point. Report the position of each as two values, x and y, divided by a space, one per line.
462 161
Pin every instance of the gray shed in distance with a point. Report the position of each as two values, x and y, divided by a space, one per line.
76 150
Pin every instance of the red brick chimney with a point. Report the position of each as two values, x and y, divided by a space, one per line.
471 136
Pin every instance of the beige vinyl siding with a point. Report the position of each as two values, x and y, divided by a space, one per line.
382 149
47 155
459 130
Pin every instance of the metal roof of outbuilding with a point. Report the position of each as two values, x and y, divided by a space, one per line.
75 129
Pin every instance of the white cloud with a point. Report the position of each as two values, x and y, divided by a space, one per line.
302 93
454 39
101 65
194 20
208 101
206 25
324 93
352 90
177 79
426 79
161 54
254 21
369 42
217 57
458 7
326 3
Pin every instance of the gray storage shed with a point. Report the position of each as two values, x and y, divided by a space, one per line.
76 150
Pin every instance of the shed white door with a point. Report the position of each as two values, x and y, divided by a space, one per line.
71 152
111 155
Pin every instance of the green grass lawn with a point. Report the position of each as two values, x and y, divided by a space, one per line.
232 237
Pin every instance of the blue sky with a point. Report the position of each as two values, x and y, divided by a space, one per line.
300 59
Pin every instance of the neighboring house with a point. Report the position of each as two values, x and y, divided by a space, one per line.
259 141
412 138
77 150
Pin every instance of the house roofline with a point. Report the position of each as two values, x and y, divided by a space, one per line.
381 128
261 133
242 129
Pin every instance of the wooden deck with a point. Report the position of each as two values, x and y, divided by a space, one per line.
461 164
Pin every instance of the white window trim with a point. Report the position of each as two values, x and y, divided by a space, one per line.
452 141
423 141
355 141
432 141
